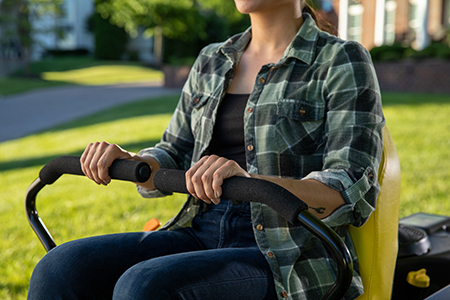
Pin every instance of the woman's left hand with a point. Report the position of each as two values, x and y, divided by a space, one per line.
204 180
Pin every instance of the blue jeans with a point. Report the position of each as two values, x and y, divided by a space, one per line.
216 258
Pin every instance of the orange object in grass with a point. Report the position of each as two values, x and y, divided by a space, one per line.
152 225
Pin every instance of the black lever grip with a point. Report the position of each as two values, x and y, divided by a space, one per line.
240 189
127 170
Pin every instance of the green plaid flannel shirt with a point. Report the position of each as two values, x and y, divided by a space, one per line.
314 114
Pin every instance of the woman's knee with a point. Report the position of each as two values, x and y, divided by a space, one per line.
151 279
196 275
162 278
55 270
69 271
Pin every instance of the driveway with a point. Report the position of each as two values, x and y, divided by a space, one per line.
31 112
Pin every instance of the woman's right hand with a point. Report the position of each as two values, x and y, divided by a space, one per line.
98 157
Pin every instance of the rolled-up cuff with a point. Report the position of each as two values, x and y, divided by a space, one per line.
358 208
165 161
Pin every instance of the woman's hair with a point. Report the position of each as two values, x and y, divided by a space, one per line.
320 21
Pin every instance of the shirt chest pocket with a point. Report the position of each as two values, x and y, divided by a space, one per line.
198 111
301 111
300 125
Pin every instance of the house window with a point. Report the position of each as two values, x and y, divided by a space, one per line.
447 13
389 24
65 25
414 22
354 29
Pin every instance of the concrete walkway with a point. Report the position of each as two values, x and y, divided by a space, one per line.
31 112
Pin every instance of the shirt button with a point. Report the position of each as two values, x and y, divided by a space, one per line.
370 176
270 254
302 111
283 294
250 147
260 227
262 80
250 110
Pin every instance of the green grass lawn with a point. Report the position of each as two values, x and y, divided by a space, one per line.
74 207
420 127
15 85
76 70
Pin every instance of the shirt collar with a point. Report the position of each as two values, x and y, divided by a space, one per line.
303 47
234 46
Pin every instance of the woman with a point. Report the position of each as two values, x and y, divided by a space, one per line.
298 107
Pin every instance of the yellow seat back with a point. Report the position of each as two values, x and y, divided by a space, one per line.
376 241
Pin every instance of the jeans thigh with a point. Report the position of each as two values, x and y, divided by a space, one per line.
217 274
89 268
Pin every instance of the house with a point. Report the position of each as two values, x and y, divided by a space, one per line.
410 22
66 32
70 32
383 22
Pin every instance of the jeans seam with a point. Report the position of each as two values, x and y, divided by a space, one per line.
222 222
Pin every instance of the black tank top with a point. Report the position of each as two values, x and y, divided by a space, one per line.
228 134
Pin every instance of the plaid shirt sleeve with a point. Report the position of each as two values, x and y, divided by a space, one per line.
174 151
352 134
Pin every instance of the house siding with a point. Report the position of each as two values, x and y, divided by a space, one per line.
436 24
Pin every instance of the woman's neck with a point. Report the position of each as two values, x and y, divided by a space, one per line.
273 31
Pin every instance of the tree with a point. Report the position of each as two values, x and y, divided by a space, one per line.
183 20
16 28
158 17
15 18
110 40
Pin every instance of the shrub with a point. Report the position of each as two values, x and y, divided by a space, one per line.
434 50
110 40
60 53
388 53
395 52
217 29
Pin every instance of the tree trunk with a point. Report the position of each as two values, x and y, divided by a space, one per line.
158 46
